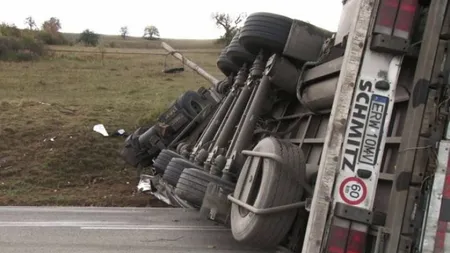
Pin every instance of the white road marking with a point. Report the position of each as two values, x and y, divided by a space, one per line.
56 223
97 225
158 228
86 209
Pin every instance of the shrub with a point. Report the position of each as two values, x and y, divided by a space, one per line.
52 39
9 30
20 49
19 45
89 38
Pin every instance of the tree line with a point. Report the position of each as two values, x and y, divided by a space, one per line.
230 25
87 36
29 43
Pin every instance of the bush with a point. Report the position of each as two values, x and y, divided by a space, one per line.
10 30
22 45
89 38
52 39
20 49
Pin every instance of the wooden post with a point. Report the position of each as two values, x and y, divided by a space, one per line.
190 64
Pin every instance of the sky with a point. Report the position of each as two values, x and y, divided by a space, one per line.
187 19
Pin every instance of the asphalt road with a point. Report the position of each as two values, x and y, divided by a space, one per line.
105 230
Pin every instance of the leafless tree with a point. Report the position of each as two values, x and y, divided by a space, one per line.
229 23
124 32
29 21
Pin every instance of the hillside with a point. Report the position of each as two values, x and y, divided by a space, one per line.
141 43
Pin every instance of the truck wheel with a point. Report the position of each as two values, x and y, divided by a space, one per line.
175 168
192 102
274 185
163 160
265 31
193 183
225 64
237 53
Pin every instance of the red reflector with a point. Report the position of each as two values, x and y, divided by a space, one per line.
337 239
356 242
446 192
405 18
386 16
439 244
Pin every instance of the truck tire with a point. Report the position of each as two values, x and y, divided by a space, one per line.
280 187
225 64
237 53
175 168
265 31
192 185
163 160
192 102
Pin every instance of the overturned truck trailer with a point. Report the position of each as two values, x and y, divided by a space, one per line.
316 141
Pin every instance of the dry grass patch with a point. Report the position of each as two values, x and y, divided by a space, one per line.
49 154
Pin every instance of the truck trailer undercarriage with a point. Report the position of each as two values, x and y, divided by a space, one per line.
316 141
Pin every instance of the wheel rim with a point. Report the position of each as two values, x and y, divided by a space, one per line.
255 185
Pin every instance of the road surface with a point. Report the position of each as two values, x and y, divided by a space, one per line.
105 230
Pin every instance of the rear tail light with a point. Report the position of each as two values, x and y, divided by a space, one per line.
396 17
345 240
356 242
387 13
337 239
405 18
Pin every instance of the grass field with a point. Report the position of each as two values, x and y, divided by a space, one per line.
137 42
49 154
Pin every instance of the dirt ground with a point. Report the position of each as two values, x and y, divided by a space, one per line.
49 154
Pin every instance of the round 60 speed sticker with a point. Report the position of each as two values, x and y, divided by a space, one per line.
353 191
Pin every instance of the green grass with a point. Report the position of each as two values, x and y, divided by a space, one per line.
63 97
